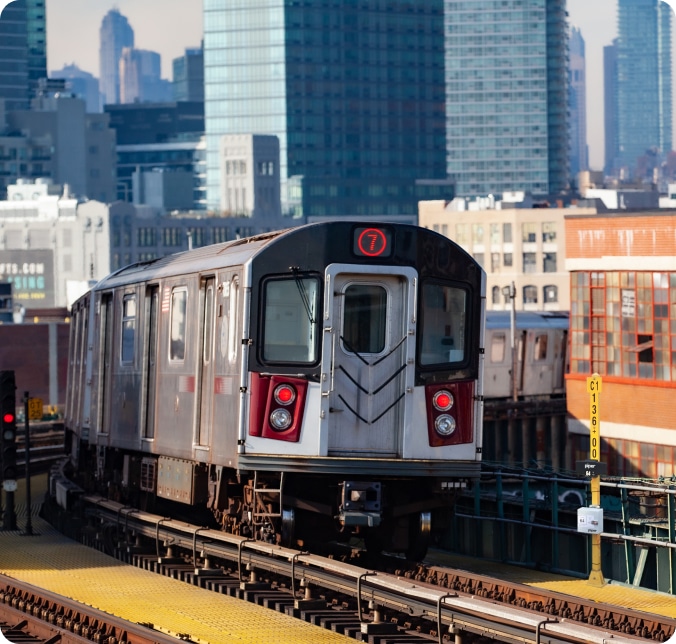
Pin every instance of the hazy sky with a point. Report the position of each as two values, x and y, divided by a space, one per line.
169 26
164 26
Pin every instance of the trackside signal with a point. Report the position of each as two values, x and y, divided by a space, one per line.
8 423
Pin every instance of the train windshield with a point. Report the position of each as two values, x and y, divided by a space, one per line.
444 311
291 320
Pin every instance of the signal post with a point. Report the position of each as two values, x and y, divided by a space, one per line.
8 446
594 467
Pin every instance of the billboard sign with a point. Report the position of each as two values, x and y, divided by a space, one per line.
31 273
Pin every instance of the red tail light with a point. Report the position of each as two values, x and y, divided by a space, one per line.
450 413
277 406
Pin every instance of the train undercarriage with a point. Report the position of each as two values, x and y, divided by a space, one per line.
286 508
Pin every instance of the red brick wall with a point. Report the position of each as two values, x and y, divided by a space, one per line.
649 405
620 236
24 348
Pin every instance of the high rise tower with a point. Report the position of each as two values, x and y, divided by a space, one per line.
643 82
115 34
506 95
23 58
610 106
36 24
353 91
188 83
577 98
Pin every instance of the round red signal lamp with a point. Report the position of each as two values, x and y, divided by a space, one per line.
443 400
284 394
8 418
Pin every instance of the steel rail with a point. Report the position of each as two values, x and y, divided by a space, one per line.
469 612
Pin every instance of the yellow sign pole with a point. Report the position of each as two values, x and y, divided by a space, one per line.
594 391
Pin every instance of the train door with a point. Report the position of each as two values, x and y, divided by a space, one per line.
150 357
105 361
369 351
206 390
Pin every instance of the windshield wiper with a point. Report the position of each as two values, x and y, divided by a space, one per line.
303 293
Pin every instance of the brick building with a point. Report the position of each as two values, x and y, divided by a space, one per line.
623 327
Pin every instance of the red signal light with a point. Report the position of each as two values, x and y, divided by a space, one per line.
443 400
284 394
8 418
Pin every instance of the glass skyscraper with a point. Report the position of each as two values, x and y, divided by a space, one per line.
354 91
643 83
577 103
506 95
115 34
36 25
23 51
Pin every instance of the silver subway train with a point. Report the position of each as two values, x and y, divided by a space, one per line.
540 354
322 381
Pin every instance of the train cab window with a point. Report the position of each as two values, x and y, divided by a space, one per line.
442 338
364 318
128 327
291 320
179 301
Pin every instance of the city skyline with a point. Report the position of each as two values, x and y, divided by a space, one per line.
182 27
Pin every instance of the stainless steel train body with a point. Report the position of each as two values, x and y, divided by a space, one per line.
540 354
330 372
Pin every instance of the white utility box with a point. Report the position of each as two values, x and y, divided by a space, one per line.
590 520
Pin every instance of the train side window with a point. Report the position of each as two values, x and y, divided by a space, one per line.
128 327
290 324
540 350
443 310
498 344
364 318
179 301
233 292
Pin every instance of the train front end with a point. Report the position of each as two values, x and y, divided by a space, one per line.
364 369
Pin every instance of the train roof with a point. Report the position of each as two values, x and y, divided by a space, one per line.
528 319
207 257
232 253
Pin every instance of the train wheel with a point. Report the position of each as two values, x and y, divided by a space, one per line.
419 533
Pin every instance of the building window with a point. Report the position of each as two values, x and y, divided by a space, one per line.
479 258
495 295
550 294
507 233
220 234
549 262
548 232
462 234
529 263
507 259
146 237
495 233
477 233
529 232
495 262
172 237
530 294
624 324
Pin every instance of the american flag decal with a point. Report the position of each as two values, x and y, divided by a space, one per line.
186 384
223 385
